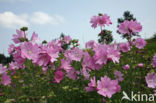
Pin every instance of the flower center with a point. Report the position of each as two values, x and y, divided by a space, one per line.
77 54
151 81
104 89
29 52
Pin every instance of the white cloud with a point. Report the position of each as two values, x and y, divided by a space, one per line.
11 20
43 18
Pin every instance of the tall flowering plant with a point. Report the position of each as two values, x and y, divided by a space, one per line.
129 29
102 20
52 71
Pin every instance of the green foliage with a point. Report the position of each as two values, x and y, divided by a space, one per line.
5 60
105 36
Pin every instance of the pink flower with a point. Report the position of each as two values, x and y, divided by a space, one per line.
67 39
94 21
11 48
140 65
29 51
124 47
101 54
104 19
128 27
65 64
118 75
91 85
113 54
14 66
104 52
100 20
85 73
88 61
34 37
140 43
154 61
17 57
72 74
2 69
53 53
151 80
45 69
126 67
20 35
59 75
91 44
107 87
5 79
43 57
56 45
74 54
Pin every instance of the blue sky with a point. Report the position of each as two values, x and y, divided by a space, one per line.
49 18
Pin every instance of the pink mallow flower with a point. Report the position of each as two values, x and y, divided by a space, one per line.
100 20
140 43
14 66
43 57
65 64
11 48
140 65
59 75
5 79
44 69
151 80
34 37
29 51
72 74
53 53
85 72
124 47
20 35
107 87
154 61
74 54
101 54
89 62
94 21
118 75
126 67
113 54
18 58
2 69
104 19
91 85
129 27
67 39
91 44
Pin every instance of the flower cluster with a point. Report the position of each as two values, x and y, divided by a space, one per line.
101 20
130 27
73 62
